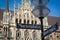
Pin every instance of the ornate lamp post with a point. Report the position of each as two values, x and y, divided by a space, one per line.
40 11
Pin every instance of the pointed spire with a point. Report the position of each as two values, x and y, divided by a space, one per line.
14 6
7 9
18 6
26 1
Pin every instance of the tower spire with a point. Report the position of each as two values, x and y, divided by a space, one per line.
7 6
14 6
26 1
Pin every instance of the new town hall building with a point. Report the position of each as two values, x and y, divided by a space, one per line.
24 15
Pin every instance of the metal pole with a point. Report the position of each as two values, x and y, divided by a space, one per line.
41 19
42 29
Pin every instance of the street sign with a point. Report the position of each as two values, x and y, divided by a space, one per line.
28 26
53 28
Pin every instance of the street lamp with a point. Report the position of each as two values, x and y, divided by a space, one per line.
40 11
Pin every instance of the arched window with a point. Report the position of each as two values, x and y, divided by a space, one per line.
32 22
20 21
34 35
5 31
5 28
26 35
35 22
24 21
27 21
16 20
9 32
18 34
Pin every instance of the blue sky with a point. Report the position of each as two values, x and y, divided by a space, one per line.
53 5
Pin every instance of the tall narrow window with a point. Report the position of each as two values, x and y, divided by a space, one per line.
5 28
26 34
32 22
27 21
34 35
35 22
20 21
18 34
16 20
24 21
0 34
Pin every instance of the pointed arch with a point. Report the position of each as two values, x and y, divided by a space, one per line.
35 22
18 34
32 22
16 20
26 35
27 21
20 21
34 35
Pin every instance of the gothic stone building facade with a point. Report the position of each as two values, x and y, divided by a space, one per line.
24 15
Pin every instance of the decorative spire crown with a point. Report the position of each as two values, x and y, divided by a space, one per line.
26 1
7 6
